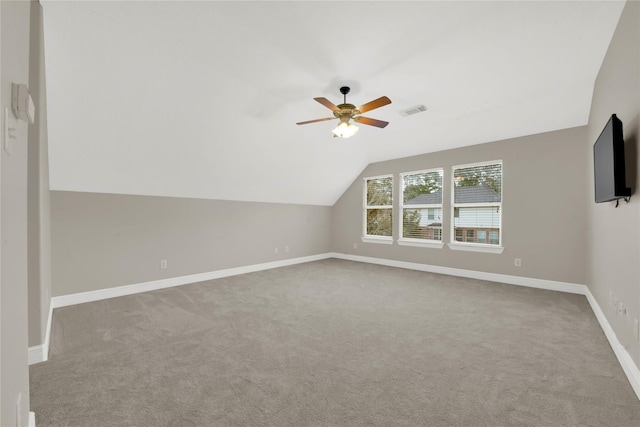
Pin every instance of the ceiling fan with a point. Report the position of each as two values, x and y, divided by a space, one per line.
345 112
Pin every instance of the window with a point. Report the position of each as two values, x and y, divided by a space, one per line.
421 208
470 234
477 207
378 209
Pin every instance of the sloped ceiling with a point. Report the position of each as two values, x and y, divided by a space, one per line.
200 99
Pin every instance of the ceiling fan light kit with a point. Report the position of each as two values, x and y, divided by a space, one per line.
345 112
345 130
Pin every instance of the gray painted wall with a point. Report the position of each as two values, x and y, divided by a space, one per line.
106 240
613 263
14 374
544 219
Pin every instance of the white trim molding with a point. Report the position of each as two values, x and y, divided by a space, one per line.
385 240
36 354
571 288
475 247
82 297
421 243
40 353
628 366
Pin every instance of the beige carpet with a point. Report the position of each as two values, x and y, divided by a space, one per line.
333 343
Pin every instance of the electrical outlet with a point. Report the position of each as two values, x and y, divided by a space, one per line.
286 248
517 262
355 246
163 264
276 250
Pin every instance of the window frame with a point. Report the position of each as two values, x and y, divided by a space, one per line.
473 246
368 238
408 241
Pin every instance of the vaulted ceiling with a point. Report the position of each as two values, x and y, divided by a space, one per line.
200 99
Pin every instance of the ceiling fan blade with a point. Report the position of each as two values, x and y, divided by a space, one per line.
370 122
376 103
327 103
316 120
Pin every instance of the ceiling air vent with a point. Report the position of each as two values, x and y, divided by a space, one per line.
413 110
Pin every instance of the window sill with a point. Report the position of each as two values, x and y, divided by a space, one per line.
378 239
476 247
420 243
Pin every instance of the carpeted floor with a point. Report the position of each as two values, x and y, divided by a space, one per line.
333 343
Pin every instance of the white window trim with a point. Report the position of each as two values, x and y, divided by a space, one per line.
475 247
421 243
470 165
423 206
467 246
367 238
386 240
477 205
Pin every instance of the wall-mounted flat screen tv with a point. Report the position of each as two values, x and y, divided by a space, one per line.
608 162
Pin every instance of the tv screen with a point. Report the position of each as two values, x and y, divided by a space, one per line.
608 159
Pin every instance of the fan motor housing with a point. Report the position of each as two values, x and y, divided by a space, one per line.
345 111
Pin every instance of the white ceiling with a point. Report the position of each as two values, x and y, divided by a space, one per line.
200 99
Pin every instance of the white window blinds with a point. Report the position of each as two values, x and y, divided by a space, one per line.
477 203
422 205
378 206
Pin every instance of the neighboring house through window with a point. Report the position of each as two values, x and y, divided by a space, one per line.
477 207
421 208
378 209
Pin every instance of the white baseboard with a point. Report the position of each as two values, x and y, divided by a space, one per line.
36 354
82 297
40 353
32 419
571 288
628 366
